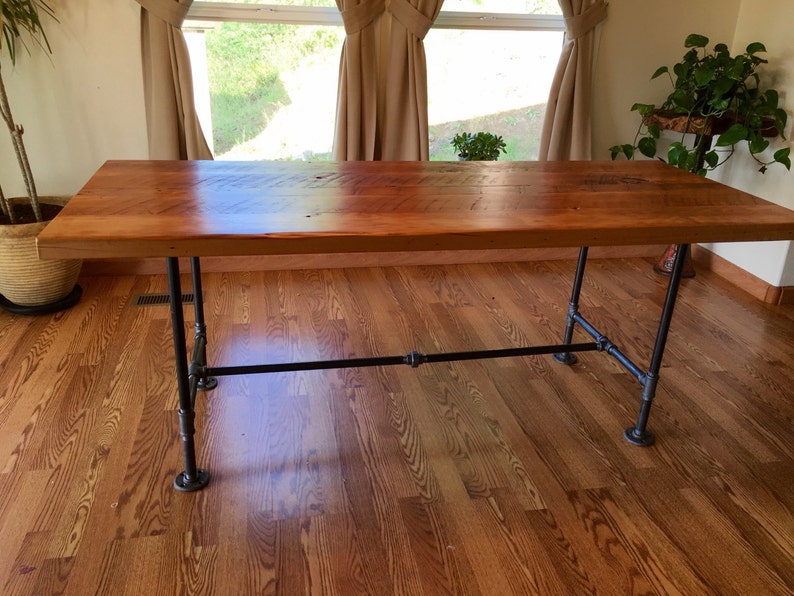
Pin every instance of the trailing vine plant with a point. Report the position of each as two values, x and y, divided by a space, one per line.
719 98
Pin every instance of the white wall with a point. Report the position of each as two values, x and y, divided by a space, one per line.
638 37
82 105
641 35
770 22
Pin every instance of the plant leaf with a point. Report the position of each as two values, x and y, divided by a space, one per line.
720 105
704 75
780 121
690 161
647 146
782 156
757 144
712 159
660 71
736 70
736 133
755 47
722 86
643 108
674 153
696 41
20 16
772 98
682 99
681 70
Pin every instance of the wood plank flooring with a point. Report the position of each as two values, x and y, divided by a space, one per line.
493 477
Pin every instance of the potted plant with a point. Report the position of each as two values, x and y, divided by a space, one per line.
28 285
480 146
716 104
715 96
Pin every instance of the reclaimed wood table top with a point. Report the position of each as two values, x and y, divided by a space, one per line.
207 208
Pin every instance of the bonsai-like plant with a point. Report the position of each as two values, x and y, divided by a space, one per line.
715 96
481 146
18 17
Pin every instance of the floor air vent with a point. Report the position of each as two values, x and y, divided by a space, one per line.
160 299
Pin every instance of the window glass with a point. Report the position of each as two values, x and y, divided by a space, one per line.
270 89
492 81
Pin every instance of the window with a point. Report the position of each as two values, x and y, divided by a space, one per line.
266 74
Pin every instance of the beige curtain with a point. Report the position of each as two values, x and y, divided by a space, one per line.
171 119
566 129
381 111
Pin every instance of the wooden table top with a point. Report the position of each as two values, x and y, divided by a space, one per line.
205 208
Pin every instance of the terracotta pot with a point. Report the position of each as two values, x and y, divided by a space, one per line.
25 280
665 263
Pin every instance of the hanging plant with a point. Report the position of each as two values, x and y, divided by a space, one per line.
717 97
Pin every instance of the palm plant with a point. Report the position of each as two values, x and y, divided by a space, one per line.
18 18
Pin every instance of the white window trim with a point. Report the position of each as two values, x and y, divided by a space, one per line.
319 15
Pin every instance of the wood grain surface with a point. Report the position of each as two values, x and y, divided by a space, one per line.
204 208
496 477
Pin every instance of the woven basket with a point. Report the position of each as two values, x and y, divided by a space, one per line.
26 280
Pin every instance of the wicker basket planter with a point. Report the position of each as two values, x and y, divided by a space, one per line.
27 281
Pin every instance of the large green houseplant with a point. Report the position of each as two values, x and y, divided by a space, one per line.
27 285
716 98
716 103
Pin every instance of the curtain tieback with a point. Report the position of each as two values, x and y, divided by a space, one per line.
361 15
579 25
171 11
413 20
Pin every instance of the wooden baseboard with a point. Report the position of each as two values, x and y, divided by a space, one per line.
786 295
742 279
395 259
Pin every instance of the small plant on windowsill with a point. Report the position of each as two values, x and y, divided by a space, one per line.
716 97
480 146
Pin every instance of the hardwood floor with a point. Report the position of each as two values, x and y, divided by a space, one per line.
491 477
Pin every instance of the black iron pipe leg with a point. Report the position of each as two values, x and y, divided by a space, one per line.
204 383
639 434
192 478
573 309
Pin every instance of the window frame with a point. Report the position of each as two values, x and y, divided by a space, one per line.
323 15
205 15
